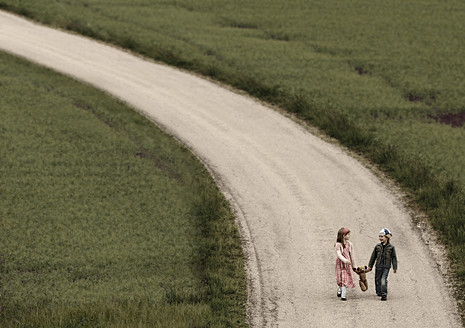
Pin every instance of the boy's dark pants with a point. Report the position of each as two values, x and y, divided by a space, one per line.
381 275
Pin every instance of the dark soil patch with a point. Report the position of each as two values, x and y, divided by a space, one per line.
455 120
360 70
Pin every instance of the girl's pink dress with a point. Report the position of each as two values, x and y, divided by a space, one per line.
344 277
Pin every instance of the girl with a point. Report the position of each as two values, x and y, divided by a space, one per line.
345 263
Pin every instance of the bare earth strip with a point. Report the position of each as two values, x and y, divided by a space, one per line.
291 190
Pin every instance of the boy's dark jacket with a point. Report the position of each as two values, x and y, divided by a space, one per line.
389 256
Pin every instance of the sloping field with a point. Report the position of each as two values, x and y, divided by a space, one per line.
291 191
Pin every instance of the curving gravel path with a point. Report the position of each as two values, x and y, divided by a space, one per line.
291 190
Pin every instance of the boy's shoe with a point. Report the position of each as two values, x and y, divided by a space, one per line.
343 299
339 294
383 298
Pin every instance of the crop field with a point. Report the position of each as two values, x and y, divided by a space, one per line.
386 78
105 220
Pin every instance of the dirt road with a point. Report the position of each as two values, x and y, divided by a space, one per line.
291 190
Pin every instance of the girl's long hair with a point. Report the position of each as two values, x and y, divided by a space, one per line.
340 236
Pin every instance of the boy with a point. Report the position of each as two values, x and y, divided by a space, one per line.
384 254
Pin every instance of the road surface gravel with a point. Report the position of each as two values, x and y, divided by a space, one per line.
290 189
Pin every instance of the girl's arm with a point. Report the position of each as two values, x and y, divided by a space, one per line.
339 254
352 257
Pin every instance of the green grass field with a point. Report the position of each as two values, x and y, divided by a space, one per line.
105 220
370 73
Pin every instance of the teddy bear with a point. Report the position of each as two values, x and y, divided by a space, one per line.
362 272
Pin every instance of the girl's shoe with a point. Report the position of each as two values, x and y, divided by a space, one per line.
384 298
339 294
343 299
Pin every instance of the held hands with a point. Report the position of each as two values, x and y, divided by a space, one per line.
369 269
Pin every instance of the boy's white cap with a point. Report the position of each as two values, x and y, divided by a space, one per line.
384 232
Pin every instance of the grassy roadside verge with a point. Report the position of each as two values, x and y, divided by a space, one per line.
365 72
105 220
